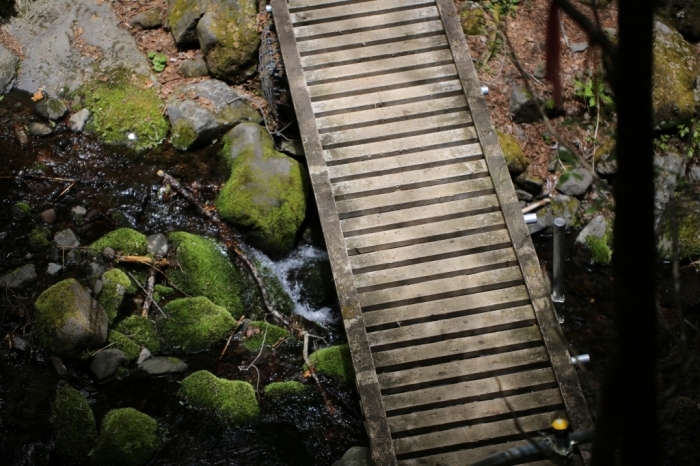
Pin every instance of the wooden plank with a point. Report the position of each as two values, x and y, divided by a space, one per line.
416 197
365 22
424 291
401 237
476 410
396 181
477 367
475 433
315 3
403 144
388 65
454 265
358 39
463 457
398 256
340 11
371 51
446 327
471 390
466 347
365 374
392 113
385 98
446 306
334 89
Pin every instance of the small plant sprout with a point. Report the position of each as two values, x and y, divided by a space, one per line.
159 61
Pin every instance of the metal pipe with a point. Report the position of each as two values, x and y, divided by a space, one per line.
559 236
485 90
581 359
530 218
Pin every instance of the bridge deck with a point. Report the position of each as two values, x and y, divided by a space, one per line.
440 288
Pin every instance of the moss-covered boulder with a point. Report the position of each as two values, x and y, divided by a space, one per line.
141 330
232 400
126 345
228 36
515 158
259 333
194 324
127 438
69 320
284 389
334 361
73 424
204 270
123 240
675 73
266 193
473 19
115 284
182 19
124 111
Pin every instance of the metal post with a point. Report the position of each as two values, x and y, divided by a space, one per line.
559 236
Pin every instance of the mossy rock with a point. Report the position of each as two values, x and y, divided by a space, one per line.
127 438
123 240
21 210
194 324
258 333
141 330
473 19
334 361
126 345
267 191
284 389
606 158
515 158
120 106
115 285
74 425
205 271
232 400
39 239
182 19
161 292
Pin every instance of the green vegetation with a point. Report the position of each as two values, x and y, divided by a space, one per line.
601 248
233 400
592 92
334 361
281 389
158 60
261 333
124 343
21 210
127 438
74 425
512 152
160 292
183 135
116 284
39 239
194 324
123 240
141 330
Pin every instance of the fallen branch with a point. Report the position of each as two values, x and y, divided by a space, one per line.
149 293
312 371
536 205
145 260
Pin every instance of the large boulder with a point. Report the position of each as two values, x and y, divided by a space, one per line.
74 425
182 19
127 438
266 193
194 324
200 112
675 76
69 320
232 400
8 69
228 36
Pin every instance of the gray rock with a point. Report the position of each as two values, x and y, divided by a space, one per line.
540 70
523 195
157 245
356 456
200 112
79 211
561 206
596 228
523 106
578 47
51 109
162 366
97 287
97 269
58 366
39 130
106 362
48 216
143 355
182 19
53 268
20 278
149 19
575 182
19 343
669 168
21 135
66 239
194 68
77 121
530 183
8 68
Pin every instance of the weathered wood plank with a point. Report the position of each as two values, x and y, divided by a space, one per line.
463 457
340 11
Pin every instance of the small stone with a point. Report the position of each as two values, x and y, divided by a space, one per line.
39 130
579 47
51 109
523 195
149 19
157 245
108 253
21 135
595 227
540 70
53 268
106 362
530 183
66 239
79 211
77 121
20 278
575 182
356 456
143 355
97 287
194 68
19 343
58 366
163 366
48 216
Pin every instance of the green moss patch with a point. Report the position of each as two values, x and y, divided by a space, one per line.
160 292
261 333
127 438
205 271
282 389
473 19
115 285
120 341
334 361
141 330
74 425
515 158
183 135
194 324
39 239
123 240
233 400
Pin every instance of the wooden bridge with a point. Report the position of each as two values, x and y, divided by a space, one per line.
441 292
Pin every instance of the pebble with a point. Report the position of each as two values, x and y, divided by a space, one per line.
157 245
143 355
194 68
53 268
97 288
79 210
48 216
39 130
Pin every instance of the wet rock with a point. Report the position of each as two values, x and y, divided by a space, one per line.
523 105
8 68
39 239
529 183
200 112
157 245
48 216
669 168
228 37
77 121
143 356
194 68
513 154
51 109
74 425
66 239
334 361
182 19
53 268
579 47
356 456
561 206
39 130
97 269
92 215
58 366
106 362
163 366
20 278
69 320
127 437
194 324
575 182
148 19
21 135
79 211
596 228
124 240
